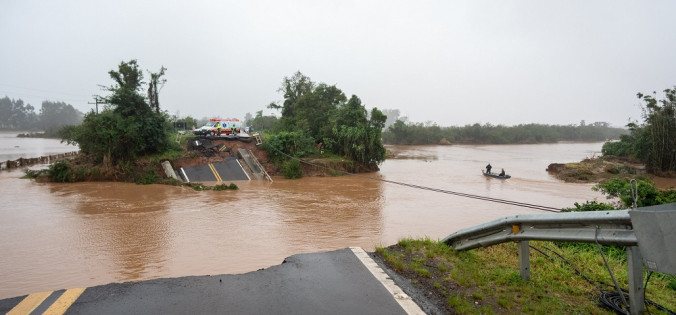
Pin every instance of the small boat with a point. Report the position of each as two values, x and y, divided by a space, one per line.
494 175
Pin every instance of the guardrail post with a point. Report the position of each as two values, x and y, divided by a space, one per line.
524 260
635 277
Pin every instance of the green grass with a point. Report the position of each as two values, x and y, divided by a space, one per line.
489 280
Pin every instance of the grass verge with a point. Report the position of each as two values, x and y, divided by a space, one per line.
487 280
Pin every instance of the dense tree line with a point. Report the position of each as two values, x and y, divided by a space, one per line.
320 117
260 122
16 115
129 126
418 133
654 141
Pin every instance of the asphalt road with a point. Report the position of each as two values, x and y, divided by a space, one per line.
227 170
344 281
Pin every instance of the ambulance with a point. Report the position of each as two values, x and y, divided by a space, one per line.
219 126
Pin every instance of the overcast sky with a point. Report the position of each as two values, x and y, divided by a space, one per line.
451 62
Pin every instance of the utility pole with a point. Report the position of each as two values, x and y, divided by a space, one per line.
97 100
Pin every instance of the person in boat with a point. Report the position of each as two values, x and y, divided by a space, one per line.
502 174
488 168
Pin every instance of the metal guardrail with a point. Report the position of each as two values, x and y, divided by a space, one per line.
606 227
614 228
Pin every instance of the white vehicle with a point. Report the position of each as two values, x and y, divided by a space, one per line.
218 126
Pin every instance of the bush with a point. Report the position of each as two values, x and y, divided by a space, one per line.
291 169
61 171
146 178
647 195
296 143
590 206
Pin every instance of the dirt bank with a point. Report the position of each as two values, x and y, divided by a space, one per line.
315 166
599 169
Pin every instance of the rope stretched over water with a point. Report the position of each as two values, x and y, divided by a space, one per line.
449 192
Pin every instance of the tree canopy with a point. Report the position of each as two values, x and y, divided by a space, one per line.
654 141
418 133
126 129
323 113
16 115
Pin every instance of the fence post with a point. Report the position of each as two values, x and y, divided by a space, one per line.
635 277
524 260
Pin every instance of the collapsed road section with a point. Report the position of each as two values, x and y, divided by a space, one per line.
230 169
221 163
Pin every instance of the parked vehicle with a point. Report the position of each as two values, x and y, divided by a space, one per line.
219 126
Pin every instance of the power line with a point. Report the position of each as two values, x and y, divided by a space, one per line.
46 98
38 90
449 192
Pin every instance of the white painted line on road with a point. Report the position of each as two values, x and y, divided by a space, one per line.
184 175
242 167
402 298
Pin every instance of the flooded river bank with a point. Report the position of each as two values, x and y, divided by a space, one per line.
83 234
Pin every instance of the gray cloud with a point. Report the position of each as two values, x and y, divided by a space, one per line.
454 63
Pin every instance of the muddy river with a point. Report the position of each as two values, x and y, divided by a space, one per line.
76 235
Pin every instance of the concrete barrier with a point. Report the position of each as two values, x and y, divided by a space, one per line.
23 162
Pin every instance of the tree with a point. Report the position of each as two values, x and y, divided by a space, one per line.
314 109
56 114
261 122
294 88
153 93
392 116
660 126
190 122
125 97
323 114
14 114
351 113
654 141
358 137
129 129
248 119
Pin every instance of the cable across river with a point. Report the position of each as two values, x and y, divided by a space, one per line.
449 192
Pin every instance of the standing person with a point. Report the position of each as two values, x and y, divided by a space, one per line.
488 168
218 126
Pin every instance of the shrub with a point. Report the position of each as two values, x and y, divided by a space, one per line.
146 178
61 171
296 143
590 206
291 169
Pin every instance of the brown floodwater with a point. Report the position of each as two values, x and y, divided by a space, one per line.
83 234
